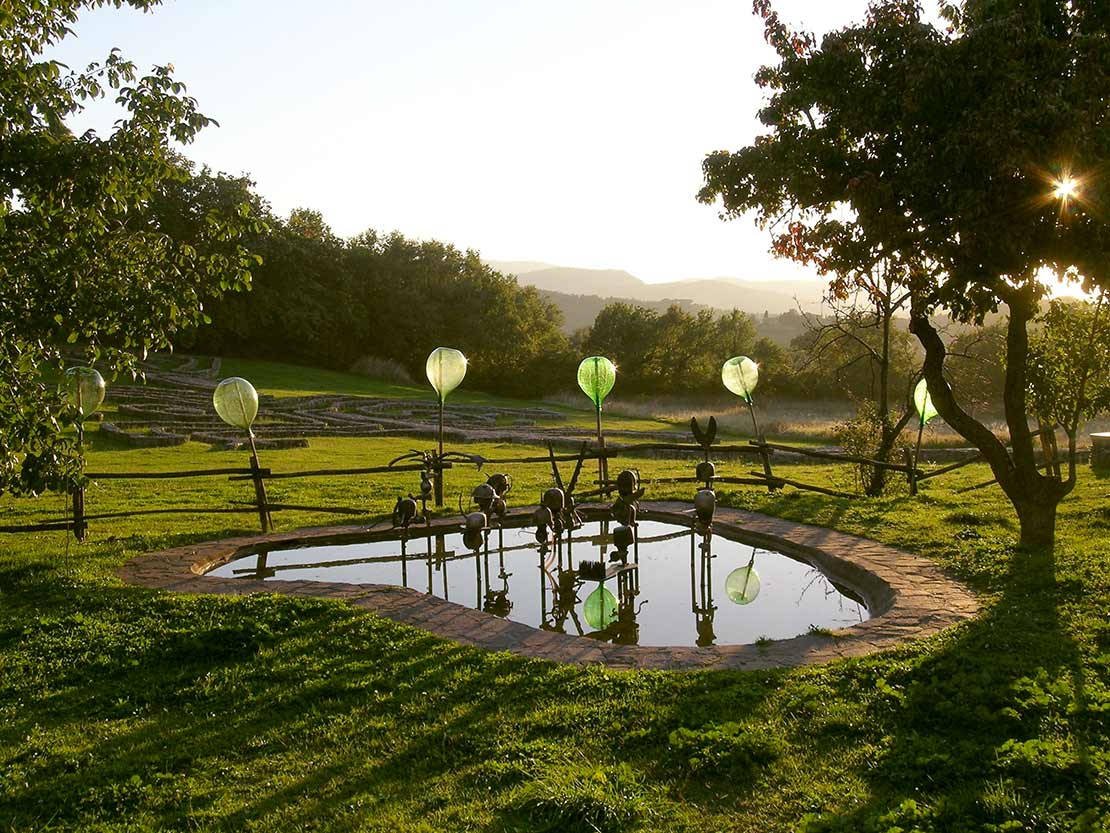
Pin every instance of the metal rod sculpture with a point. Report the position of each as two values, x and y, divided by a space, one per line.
926 411
596 377
740 375
84 390
236 403
445 369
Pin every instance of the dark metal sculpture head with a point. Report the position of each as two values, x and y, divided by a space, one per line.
501 483
627 483
624 512
543 520
705 504
554 499
706 471
484 495
404 511
623 538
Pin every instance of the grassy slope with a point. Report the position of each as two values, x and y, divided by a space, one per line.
124 709
290 380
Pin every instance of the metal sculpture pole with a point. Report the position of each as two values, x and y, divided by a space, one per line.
84 388
926 411
596 377
439 459
445 370
236 403
264 518
740 375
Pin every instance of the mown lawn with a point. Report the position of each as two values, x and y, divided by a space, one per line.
130 710
279 379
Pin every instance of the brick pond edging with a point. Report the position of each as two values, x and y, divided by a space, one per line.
908 596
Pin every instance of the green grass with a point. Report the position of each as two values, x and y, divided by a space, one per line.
290 380
124 709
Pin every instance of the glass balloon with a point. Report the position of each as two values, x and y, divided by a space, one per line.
742 585
740 375
600 608
596 377
446 368
924 402
84 389
236 402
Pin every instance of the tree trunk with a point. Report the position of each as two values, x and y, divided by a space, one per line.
1038 523
1033 495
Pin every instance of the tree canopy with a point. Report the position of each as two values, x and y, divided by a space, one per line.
83 261
969 158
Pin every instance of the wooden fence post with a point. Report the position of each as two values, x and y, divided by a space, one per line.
264 518
911 471
80 526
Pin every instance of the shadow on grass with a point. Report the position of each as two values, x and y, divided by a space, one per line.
170 711
997 726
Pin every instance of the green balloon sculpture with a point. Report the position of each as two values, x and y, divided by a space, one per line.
446 368
600 608
926 410
596 377
740 375
236 402
84 389
742 585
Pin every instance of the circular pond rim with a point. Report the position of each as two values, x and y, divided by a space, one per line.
907 596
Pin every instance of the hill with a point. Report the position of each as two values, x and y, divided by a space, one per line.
726 293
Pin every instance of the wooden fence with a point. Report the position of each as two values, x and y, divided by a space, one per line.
263 507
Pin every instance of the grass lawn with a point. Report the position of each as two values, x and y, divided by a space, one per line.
124 709
279 379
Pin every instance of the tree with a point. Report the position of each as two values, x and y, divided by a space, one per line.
1069 378
83 260
940 153
976 366
860 350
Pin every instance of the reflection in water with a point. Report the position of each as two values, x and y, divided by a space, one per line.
633 563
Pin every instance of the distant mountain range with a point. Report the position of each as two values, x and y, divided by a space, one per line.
752 297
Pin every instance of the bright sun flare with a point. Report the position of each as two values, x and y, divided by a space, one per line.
1066 189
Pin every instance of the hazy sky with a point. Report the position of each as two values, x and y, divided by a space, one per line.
570 132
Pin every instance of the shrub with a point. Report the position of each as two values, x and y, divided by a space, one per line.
385 370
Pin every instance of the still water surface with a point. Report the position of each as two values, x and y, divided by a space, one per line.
675 596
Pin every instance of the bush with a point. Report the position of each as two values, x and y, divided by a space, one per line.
385 370
861 436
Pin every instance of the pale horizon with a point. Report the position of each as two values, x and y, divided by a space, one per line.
572 135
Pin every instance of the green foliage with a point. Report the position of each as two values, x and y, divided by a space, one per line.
935 152
862 436
582 799
1069 363
324 302
976 367
676 352
85 261
725 749
841 359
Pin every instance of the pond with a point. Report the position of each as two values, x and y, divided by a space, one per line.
678 587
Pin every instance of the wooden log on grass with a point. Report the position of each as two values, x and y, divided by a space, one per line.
836 457
166 475
808 487
975 458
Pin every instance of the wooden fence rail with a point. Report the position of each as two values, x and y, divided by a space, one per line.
261 505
